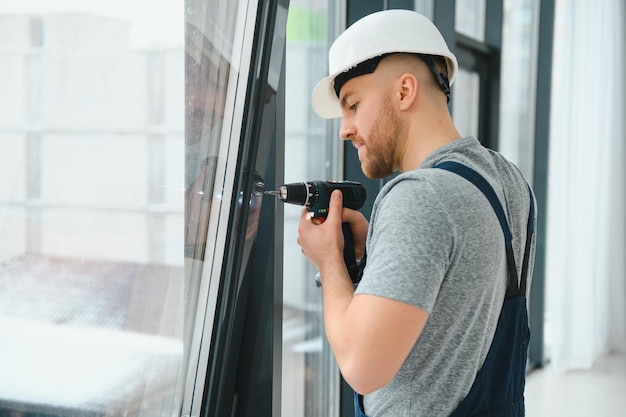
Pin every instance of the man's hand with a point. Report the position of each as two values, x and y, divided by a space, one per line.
359 227
322 241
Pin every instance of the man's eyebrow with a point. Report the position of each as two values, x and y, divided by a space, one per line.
344 100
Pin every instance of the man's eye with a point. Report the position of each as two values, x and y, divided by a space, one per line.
353 107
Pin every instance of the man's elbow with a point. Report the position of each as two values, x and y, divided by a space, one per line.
367 379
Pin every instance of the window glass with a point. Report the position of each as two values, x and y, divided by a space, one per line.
310 377
519 61
424 7
218 44
470 18
91 208
465 103
209 32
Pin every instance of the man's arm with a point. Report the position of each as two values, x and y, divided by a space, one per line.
370 336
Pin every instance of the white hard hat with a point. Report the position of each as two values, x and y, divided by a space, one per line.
374 35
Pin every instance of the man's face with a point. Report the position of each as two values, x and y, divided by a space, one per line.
370 122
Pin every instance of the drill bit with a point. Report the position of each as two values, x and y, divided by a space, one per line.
281 193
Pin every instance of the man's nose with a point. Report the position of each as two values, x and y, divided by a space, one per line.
347 129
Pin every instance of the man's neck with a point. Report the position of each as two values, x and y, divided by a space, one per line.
425 138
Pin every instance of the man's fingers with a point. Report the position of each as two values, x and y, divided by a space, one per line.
336 204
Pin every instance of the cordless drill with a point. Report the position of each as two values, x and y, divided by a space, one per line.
315 195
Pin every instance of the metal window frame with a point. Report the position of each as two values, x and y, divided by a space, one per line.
200 353
536 353
482 57
241 284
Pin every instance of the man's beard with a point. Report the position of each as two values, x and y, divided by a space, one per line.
380 147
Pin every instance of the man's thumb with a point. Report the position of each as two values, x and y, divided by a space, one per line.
336 203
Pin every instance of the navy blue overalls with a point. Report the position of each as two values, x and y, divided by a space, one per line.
498 390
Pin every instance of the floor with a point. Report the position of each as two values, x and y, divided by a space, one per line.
599 392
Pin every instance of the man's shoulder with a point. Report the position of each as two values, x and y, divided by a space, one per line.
425 184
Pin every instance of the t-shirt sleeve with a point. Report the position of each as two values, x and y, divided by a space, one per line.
410 245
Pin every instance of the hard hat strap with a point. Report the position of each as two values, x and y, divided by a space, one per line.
440 77
362 68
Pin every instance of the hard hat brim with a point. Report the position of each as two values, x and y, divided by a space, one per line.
324 100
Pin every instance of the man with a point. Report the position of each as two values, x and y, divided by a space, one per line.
416 331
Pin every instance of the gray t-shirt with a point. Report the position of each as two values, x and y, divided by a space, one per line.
435 242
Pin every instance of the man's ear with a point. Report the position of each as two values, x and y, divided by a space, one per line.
408 90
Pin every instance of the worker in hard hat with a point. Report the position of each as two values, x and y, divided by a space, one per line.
437 325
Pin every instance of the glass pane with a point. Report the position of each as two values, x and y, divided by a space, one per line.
310 376
91 208
208 49
425 7
470 18
214 103
519 61
465 102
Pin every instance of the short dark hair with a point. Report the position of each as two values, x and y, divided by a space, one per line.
439 69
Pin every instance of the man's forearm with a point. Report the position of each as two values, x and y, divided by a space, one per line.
337 294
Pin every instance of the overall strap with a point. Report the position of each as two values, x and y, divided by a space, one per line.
530 231
483 185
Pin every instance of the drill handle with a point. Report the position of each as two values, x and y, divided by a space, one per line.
349 256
